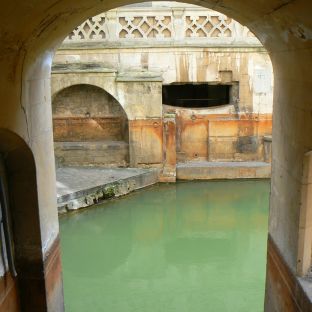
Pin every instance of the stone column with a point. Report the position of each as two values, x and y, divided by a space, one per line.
178 24
170 156
112 25
139 93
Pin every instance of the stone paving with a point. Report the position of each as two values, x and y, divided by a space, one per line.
73 179
78 187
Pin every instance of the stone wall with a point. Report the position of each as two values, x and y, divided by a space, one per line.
101 154
87 113
204 135
249 67
238 138
132 52
134 76
146 142
90 128
82 129
82 99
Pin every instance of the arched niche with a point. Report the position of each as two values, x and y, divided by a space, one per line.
87 116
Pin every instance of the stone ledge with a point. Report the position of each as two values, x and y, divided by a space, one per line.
91 145
82 67
129 44
204 170
83 193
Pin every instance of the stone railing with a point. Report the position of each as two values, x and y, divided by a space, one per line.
181 26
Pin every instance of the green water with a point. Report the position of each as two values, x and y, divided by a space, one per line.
195 247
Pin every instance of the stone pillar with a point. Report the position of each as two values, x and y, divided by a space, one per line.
170 155
112 25
145 143
139 92
305 225
178 24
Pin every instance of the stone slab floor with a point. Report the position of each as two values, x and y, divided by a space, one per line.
77 186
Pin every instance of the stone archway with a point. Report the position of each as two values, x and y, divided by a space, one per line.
32 29
25 290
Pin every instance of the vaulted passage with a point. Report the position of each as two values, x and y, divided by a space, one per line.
31 32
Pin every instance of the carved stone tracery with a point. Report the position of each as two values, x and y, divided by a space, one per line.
208 26
145 27
187 26
92 29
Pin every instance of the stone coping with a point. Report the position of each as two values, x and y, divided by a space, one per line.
82 67
222 164
80 187
204 170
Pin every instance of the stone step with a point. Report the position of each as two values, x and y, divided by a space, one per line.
204 170
105 153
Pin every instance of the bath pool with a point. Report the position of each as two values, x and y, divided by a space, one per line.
185 247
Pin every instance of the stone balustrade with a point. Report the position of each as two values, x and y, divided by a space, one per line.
161 26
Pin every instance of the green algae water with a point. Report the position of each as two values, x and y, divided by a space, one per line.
185 247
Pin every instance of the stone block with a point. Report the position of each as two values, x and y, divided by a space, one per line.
114 153
146 141
232 128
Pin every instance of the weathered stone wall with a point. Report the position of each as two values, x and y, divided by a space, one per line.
87 113
131 52
82 129
249 66
134 79
100 153
82 100
146 142
201 134
90 128
239 138
138 93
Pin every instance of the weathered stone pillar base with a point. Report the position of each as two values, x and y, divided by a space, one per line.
284 291
169 171
40 284
145 142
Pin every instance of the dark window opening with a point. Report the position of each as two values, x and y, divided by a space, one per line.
196 95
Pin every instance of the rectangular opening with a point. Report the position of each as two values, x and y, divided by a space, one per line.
199 95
